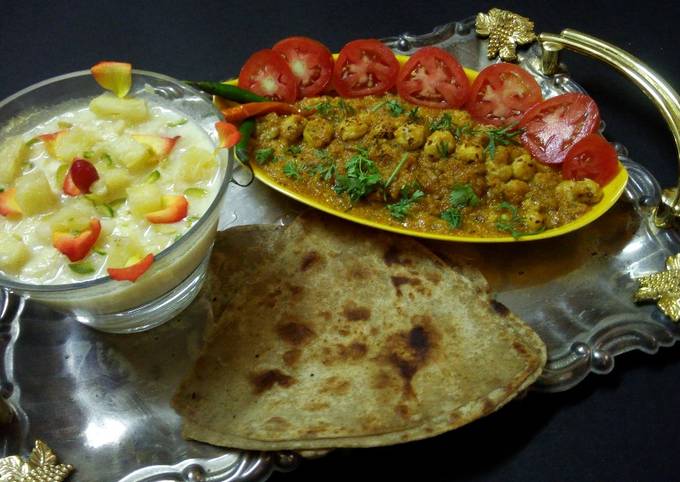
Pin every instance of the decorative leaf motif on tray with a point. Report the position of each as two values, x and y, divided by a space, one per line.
41 466
506 30
663 287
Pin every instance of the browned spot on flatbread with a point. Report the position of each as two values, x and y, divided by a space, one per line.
295 333
433 277
316 406
265 380
309 259
500 308
358 272
271 298
353 351
519 348
326 315
393 256
398 281
353 312
409 351
488 407
336 386
295 290
291 357
402 410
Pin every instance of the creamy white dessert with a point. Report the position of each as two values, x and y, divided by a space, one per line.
149 161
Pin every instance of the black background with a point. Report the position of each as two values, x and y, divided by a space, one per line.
623 426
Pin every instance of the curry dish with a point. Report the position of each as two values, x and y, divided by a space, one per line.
429 170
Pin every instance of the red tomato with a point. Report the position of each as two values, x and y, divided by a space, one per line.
592 157
365 67
266 73
432 77
310 61
501 93
552 127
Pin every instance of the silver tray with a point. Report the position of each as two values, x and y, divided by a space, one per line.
102 401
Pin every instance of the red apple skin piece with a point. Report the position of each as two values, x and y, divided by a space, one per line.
78 246
160 145
228 133
132 272
113 76
69 187
8 204
175 208
50 139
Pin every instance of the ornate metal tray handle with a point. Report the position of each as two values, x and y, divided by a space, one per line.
652 84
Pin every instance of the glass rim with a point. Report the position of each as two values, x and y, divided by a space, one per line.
10 284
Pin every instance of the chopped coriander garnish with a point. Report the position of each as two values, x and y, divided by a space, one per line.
511 222
345 107
326 171
322 154
177 123
82 267
466 130
443 149
504 136
263 156
292 169
442 124
396 170
453 216
324 108
361 177
393 106
461 196
294 150
413 115
400 209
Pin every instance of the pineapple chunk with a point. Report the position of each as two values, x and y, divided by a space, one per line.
123 249
14 253
73 217
73 143
144 199
34 194
130 153
111 107
197 164
13 153
112 184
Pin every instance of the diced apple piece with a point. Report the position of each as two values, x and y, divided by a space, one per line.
13 153
72 143
123 249
175 208
8 204
132 269
160 145
50 140
111 107
34 194
113 76
74 216
143 199
197 164
130 153
77 246
14 253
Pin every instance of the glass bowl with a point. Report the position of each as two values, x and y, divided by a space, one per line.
176 276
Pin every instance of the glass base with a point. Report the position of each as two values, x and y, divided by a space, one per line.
150 315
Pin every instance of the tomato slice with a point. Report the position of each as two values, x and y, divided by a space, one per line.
502 93
310 61
552 127
365 67
592 157
266 73
432 77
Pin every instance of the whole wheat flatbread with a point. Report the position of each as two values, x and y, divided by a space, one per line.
351 337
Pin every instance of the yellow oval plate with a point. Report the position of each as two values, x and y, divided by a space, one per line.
611 193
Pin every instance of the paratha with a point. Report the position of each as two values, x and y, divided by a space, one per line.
349 337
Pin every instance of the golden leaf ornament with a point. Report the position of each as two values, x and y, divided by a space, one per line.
41 466
506 30
663 287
